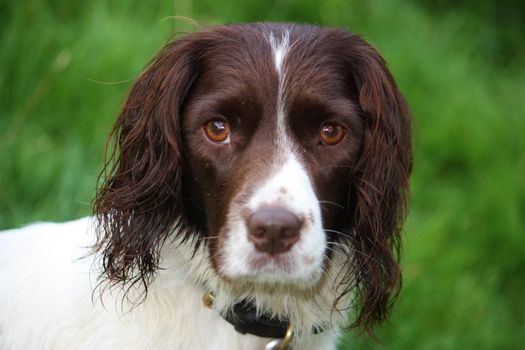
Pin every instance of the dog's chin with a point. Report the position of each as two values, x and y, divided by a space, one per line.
270 285
265 271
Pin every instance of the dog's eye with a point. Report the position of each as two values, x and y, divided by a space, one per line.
331 134
217 130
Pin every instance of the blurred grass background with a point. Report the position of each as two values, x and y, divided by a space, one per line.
66 66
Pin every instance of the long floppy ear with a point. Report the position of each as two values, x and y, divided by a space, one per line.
380 184
138 202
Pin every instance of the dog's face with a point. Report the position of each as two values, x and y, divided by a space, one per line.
274 145
271 142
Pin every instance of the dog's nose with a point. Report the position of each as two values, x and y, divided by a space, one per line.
273 230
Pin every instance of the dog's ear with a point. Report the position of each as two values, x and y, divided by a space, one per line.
138 202
379 184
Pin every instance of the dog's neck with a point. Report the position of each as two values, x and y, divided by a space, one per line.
305 308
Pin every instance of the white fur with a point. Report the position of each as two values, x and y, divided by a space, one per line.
280 49
46 283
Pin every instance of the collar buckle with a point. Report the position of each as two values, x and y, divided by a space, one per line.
281 344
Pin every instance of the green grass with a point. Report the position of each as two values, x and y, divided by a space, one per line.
65 69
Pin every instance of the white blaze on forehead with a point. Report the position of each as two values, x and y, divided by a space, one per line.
280 49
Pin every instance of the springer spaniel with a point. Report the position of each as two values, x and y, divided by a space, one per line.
253 200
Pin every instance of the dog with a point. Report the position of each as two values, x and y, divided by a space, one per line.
253 198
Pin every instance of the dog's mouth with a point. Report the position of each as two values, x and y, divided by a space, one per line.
271 281
243 263
271 264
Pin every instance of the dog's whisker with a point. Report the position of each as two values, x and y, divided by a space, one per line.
208 238
348 236
323 202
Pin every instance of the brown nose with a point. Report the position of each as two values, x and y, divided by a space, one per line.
273 230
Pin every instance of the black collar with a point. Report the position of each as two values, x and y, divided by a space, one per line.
244 318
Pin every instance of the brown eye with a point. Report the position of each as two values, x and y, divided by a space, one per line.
217 130
331 134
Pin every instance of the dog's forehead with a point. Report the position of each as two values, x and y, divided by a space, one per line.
260 57
274 64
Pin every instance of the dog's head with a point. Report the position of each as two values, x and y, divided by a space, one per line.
272 145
